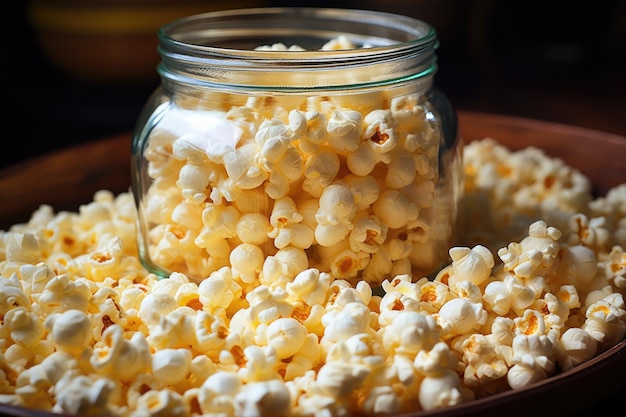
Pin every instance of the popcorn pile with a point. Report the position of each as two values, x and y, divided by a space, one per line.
86 330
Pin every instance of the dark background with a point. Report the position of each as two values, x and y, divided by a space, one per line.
560 61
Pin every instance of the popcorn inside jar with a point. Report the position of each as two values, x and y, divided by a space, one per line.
270 160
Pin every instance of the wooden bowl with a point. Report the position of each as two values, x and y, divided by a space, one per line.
70 177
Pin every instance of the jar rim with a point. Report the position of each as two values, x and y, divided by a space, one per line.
222 44
185 29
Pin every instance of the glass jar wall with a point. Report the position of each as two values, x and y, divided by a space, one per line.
284 139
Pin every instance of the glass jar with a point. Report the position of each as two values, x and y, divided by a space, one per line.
285 139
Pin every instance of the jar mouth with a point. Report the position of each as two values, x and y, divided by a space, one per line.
219 47
242 30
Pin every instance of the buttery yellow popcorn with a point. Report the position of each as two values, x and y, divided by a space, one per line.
87 330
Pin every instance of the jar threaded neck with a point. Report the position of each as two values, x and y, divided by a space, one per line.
211 49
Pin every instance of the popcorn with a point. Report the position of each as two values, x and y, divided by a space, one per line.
334 216
441 386
74 394
533 359
578 346
165 402
285 227
23 327
70 331
170 366
460 316
394 209
118 358
281 331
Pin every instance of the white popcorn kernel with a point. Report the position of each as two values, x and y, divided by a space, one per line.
344 128
310 286
116 357
165 402
336 210
71 331
273 140
297 123
339 43
605 323
613 265
568 295
219 225
432 295
193 181
252 228
286 336
381 400
187 215
380 131
217 394
287 170
312 134
242 168
468 290
306 359
177 329
154 306
394 209
367 235
283 266
320 170
473 264
344 263
286 228
218 290
440 390
401 170
264 398
247 262
588 232
502 330
190 147
268 305
171 366
22 249
578 347
436 360
79 394
278 46
353 319
410 332
501 296
578 265
365 190
23 326
362 161
49 371
340 379
34 278
11 295
62 294
392 304
461 316
211 332
535 254
530 323
485 362
532 358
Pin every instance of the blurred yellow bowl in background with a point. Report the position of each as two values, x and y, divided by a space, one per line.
111 41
